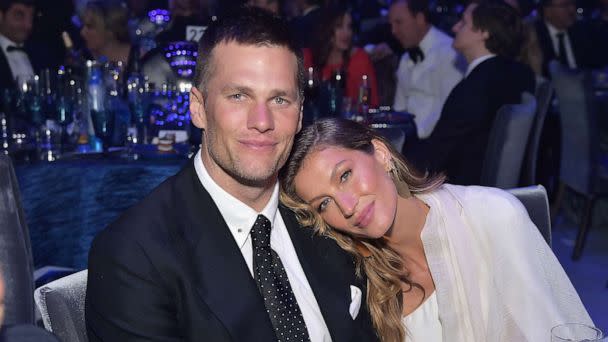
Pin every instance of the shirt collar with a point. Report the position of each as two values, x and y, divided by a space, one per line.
5 42
427 42
476 62
238 216
309 9
553 31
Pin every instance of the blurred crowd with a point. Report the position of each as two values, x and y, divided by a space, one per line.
409 55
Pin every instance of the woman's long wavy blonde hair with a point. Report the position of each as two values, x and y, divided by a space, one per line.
380 263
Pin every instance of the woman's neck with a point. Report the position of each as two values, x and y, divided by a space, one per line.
335 57
404 237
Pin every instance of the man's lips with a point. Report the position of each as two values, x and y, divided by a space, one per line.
365 215
258 144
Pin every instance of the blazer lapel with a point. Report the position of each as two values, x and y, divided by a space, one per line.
222 277
6 74
331 289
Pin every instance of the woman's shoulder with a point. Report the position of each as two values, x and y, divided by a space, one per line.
485 200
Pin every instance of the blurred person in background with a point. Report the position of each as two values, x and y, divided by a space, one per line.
106 33
333 51
302 25
429 69
561 37
16 59
273 6
490 36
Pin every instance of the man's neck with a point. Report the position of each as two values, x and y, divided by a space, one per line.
255 196
475 53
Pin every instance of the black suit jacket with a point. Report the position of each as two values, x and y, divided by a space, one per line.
584 40
458 143
7 79
169 270
304 28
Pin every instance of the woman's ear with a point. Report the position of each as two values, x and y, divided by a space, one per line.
382 154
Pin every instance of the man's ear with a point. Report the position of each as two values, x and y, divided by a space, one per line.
197 108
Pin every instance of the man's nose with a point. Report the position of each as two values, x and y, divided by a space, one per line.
261 118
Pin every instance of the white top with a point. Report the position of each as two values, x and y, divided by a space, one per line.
18 60
496 279
423 324
240 219
553 31
476 62
423 87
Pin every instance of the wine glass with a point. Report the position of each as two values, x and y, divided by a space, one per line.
575 332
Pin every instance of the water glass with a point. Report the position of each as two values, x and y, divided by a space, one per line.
575 332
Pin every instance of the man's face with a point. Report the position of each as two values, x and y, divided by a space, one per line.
409 29
467 37
561 13
16 22
250 112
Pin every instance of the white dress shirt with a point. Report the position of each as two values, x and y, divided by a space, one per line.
423 87
240 219
553 32
18 60
476 62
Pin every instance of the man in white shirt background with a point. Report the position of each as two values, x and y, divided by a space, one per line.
428 70
16 21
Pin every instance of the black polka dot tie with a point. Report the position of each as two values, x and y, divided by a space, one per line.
281 304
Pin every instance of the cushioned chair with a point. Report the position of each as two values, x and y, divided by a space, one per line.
544 94
583 166
16 263
535 199
61 304
507 144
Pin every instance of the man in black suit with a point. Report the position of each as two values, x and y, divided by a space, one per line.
304 26
561 37
489 35
16 17
211 255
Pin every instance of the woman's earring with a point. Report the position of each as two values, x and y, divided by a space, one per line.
402 188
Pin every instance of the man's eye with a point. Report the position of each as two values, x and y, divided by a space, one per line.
345 176
280 100
323 205
236 97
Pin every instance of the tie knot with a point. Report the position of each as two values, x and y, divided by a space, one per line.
11 48
260 232
416 54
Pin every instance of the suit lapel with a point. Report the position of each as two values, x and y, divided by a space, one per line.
329 285
6 78
222 277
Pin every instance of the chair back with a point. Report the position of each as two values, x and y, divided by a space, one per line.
395 135
16 263
544 94
580 136
507 143
535 200
61 304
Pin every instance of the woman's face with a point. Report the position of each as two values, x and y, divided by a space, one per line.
343 33
350 189
94 33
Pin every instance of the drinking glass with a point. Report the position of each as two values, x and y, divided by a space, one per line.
575 332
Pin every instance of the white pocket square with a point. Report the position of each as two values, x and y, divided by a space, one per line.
355 301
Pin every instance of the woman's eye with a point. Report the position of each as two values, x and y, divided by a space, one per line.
323 205
345 176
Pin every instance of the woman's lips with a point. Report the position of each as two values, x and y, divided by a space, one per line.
365 216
